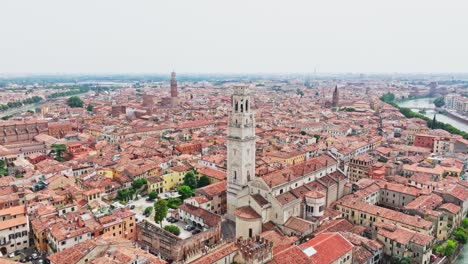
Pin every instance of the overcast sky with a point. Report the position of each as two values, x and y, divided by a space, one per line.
156 36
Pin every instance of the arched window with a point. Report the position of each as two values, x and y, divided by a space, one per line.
242 107
236 107
246 105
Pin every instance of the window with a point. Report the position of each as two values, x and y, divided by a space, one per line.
250 232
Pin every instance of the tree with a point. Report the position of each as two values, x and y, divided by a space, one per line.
204 181
300 92
388 97
317 137
148 210
439 101
173 229
303 133
185 191
3 169
74 101
460 235
58 150
173 202
153 195
90 108
138 183
160 211
448 249
190 180
125 194
464 223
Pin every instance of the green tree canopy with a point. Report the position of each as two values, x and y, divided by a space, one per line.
448 248
185 191
90 107
138 183
174 202
160 211
460 235
464 223
388 97
190 180
204 181
74 101
173 229
439 101
125 194
153 195
3 169
58 150
148 210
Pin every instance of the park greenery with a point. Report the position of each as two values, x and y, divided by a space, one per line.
19 103
160 211
389 98
74 101
173 229
90 108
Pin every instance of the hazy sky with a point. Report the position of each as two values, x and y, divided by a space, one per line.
156 36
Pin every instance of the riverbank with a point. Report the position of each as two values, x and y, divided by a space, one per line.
408 113
427 103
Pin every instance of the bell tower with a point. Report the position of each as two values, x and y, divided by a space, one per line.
240 149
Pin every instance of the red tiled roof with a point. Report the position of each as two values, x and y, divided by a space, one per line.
329 247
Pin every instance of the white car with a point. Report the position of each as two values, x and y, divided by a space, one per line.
11 255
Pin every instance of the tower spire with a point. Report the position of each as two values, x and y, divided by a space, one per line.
240 149
335 99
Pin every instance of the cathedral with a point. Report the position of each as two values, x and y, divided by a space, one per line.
299 193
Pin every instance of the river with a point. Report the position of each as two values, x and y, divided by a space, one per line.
463 257
427 103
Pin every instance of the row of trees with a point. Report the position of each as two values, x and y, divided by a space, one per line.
73 91
19 103
432 123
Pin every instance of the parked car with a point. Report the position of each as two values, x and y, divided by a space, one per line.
132 206
189 227
23 260
196 231
11 255
34 256
146 214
